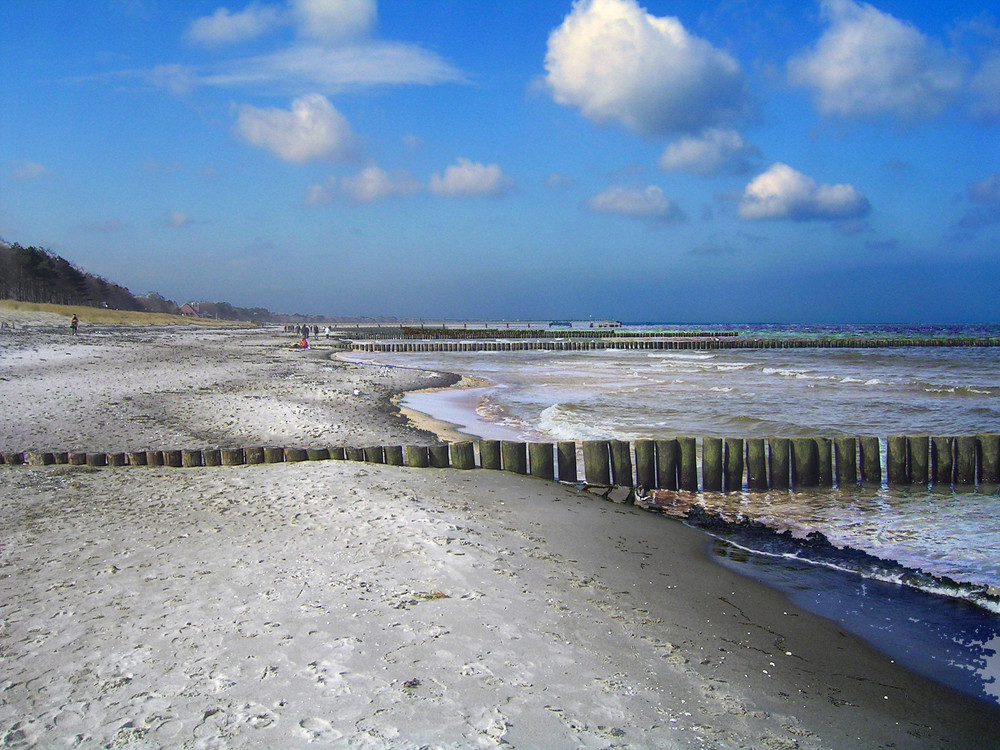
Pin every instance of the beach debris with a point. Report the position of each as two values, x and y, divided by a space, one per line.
411 684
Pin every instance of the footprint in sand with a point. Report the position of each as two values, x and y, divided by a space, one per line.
315 729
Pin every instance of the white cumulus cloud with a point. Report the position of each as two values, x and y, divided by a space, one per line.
783 193
374 183
311 130
465 178
227 27
618 63
871 63
715 151
638 203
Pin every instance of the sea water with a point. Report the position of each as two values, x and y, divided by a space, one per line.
933 554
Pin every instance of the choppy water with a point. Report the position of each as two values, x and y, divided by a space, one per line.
792 392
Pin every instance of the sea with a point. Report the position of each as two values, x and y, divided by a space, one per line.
915 571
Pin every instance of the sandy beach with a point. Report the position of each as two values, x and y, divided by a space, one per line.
355 605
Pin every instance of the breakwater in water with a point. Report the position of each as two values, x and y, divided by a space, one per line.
716 465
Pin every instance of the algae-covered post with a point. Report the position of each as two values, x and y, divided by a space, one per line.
824 461
756 464
687 471
489 454
942 460
895 460
597 462
711 464
667 462
918 455
846 455
416 456
966 447
805 463
871 460
541 460
733 465
778 467
645 463
439 456
463 455
566 450
621 463
989 458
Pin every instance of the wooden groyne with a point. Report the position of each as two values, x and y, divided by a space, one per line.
657 344
712 464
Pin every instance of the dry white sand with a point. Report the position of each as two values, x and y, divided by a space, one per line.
343 604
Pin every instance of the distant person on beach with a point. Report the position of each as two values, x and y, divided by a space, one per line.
326 331
75 324
303 344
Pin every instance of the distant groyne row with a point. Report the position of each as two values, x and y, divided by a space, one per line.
458 344
680 463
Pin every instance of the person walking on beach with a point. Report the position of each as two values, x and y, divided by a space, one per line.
75 324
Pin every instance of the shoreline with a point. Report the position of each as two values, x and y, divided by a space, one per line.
331 601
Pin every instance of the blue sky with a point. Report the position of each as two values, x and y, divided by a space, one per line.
674 161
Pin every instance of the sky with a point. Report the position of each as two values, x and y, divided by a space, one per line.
789 161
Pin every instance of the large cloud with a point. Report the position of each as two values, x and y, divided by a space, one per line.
637 203
618 63
870 63
466 178
783 193
311 130
715 151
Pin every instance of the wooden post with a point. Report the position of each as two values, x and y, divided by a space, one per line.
918 452
514 456
489 454
374 454
597 462
295 455
942 460
824 461
394 455
805 463
756 465
895 460
62 457
566 452
846 451
732 465
97 459
274 455
687 469
40 458
965 460
463 455
153 458
317 454
211 457
989 458
173 459
541 460
416 456
233 457
666 464
871 460
338 453
711 464
191 458
438 456
779 462
645 463
76 458
136 458
621 464
355 454
254 455
116 459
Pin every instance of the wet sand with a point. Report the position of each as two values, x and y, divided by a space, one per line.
358 605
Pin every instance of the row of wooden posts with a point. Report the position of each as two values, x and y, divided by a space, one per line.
658 344
726 465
